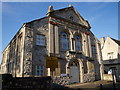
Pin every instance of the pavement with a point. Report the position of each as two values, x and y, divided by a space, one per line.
96 85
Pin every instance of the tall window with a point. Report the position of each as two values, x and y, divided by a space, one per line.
64 41
93 49
40 40
39 70
9 68
78 43
85 67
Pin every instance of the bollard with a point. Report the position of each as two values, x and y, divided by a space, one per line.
101 87
113 82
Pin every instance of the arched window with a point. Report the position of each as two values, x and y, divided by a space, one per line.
78 43
64 41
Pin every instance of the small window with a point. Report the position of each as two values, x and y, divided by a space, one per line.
110 55
40 40
71 18
39 70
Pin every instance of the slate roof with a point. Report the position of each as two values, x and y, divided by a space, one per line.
117 41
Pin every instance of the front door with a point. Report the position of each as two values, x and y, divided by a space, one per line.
74 74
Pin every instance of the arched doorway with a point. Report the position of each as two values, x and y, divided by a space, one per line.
74 72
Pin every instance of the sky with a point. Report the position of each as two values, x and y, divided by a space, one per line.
102 16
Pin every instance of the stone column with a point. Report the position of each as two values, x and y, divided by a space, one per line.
83 43
86 46
51 40
81 70
99 58
56 41
22 53
89 44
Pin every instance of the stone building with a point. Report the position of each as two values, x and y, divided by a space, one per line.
62 33
111 55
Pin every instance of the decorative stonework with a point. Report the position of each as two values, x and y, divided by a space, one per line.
28 52
88 77
43 28
61 80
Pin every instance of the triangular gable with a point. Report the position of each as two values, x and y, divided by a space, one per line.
70 14
116 41
109 41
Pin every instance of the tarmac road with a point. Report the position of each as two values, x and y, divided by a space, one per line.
96 85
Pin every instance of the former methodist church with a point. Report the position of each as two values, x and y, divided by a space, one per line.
62 33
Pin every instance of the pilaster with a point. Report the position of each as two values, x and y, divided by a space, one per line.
51 41
89 44
56 40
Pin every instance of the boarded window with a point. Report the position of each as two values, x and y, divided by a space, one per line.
40 40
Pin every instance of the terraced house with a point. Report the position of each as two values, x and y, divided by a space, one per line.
110 48
63 34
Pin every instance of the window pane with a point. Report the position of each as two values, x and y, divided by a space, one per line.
78 43
64 41
39 70
40 40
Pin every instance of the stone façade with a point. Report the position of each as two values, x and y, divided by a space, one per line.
27 55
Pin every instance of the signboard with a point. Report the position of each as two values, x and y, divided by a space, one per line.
51 62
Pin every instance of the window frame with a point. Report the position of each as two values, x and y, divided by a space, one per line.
40 40
64 41
39 70
78 43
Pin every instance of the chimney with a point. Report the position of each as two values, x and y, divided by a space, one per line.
102 41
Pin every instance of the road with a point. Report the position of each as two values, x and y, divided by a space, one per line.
105 85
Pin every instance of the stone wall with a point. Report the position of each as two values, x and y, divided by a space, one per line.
88 77
107 77
26 83
61 80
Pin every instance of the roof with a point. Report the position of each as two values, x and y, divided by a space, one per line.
36 20
117 41
53 12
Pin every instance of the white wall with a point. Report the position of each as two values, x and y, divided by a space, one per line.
109 47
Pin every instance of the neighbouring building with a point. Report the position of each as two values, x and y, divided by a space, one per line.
111 55
62 33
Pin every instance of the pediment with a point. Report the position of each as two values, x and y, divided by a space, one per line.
70 14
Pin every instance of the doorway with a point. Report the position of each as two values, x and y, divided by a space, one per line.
74 72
